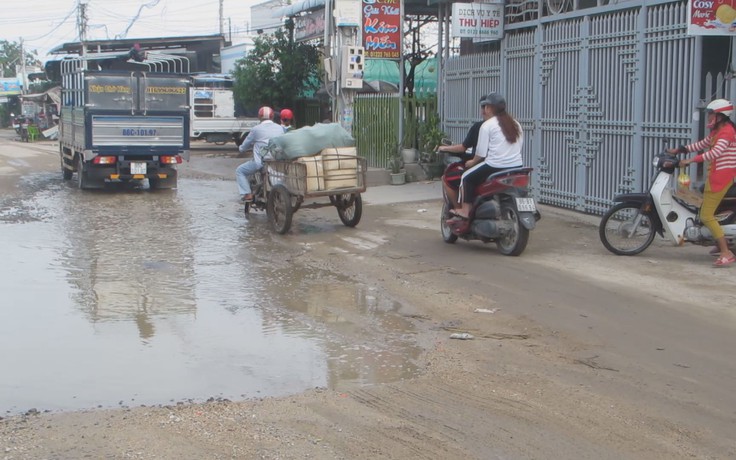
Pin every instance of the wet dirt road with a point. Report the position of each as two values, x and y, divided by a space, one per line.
577 353
131 297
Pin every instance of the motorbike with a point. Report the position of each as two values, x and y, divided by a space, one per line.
17 123
503 212
632 223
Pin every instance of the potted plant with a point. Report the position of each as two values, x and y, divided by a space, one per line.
396 164
408 152
430 137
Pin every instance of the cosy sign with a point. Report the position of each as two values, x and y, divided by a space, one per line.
483 21
711 17
382 29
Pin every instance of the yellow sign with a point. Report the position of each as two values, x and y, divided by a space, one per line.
109 89
166 90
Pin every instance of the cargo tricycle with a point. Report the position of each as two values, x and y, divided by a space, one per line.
281 187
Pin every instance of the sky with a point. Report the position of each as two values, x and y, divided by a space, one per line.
46 24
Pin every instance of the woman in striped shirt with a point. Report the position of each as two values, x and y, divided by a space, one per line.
720 150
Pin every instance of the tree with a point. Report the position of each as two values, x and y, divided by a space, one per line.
275 72
10 57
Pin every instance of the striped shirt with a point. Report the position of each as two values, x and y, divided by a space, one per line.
720 151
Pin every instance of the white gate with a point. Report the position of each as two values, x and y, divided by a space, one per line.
597 93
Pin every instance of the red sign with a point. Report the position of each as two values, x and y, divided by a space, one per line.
711 17
382 29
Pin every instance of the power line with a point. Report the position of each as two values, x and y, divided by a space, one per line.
138 14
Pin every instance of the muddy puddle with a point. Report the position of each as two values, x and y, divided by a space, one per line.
135 297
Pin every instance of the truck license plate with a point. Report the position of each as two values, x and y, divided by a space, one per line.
137 167
526 205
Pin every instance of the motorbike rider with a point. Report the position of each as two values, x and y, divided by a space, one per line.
461 150
499 148
257 139
287 117
720 150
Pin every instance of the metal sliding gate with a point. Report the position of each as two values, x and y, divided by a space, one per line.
597 96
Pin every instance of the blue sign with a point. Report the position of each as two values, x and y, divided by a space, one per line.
9 86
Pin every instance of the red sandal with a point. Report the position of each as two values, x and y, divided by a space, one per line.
724 261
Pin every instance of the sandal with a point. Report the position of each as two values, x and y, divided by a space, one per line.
454 213
724 261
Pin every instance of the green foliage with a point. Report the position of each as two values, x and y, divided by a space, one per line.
10 57
395 162
430 137
275 72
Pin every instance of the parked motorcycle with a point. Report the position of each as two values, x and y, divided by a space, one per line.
503 211
629 227
17 121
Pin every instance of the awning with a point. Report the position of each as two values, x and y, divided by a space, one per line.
39 97
299 7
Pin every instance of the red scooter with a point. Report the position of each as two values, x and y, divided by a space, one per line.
503 211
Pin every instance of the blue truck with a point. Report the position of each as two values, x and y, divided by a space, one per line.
123 120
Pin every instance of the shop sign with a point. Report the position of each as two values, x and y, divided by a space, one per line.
481 21
382 29
711 17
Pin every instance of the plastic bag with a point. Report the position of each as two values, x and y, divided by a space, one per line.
309 140
683 180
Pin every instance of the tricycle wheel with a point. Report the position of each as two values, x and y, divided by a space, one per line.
349 208
279 209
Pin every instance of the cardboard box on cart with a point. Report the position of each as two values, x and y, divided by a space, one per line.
315 173
340 165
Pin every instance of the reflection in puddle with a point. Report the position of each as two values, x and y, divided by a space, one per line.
135 297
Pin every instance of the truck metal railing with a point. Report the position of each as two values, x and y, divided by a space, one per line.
73 69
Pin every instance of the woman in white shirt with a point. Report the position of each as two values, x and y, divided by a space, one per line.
499 147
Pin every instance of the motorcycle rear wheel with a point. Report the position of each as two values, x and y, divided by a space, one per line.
514 243
625 231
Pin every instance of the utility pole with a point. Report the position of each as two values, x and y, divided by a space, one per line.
23 67
222 19
343 17
82 24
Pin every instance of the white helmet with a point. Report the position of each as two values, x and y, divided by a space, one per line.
720 106
265 113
